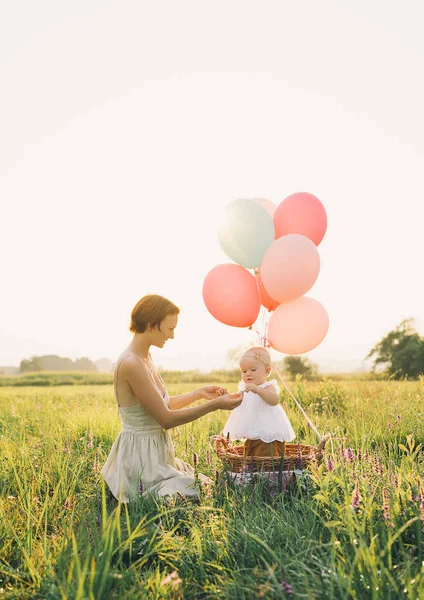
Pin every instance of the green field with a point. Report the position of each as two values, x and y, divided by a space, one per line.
351 528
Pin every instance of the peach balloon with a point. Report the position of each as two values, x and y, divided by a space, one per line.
267 204
297 327
231 295
290 267
301 213
266 299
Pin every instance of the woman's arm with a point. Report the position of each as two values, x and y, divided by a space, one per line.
208 392
268 394
138 378
177 402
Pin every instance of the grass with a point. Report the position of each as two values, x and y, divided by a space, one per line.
56 378
350 528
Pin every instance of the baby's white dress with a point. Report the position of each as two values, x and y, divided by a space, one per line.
255 419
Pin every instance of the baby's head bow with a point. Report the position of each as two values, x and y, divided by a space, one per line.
260 354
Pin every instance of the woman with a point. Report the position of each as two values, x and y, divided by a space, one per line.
142 456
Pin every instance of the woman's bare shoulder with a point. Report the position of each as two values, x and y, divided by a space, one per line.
131 363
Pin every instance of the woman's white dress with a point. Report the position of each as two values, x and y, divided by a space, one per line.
255 419
143 452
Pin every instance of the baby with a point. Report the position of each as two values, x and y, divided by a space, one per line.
260 419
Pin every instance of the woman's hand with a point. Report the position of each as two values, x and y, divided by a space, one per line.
209 392
229 401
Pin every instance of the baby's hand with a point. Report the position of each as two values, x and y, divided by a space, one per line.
222 391
251 387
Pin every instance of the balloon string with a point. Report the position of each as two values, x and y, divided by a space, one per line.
264 341
298 405
262 338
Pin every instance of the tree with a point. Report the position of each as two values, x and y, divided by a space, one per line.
400 352
84 364
297 365
30 365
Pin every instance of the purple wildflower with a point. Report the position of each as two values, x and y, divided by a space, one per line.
386 509
67 503
359 454
195 459
141 486
350 455
90 440
330 464
356 498
286 588
421 500
208 458
378 467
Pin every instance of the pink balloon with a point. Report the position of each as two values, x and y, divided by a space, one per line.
231 295
267 204
266 299
301 213
297 327
290 267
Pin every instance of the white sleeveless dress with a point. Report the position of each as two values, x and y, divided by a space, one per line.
254 419
143 452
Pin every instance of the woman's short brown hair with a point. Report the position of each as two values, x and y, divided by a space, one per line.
151 310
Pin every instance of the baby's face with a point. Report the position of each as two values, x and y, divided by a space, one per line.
253 370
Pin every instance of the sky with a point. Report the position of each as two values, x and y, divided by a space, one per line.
127 127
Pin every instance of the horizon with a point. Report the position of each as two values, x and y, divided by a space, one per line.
118 160
331 366
226 367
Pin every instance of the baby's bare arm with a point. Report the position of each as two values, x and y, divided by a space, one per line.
269 395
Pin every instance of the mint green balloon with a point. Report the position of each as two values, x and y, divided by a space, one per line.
247 233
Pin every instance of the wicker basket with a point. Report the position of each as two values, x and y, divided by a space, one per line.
296 456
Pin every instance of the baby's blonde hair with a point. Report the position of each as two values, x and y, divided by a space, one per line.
260 353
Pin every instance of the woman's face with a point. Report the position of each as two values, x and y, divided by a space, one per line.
165 331
253 370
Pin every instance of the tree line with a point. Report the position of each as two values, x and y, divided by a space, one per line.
51 362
